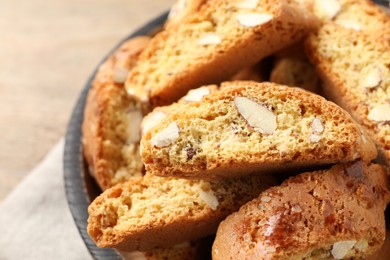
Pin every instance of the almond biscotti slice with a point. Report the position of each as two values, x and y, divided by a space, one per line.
329 214
210 46
359 15
111 119
293 71
149 212
356 72
248 127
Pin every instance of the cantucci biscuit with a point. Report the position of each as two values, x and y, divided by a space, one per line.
111 119
355 70
359 15
152 211
248 127
213 44
329 214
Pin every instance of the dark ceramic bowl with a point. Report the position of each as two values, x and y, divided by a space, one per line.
80 187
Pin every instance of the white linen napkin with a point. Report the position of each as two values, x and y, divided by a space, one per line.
35 221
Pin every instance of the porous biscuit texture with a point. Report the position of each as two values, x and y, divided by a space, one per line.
248 127
111 119
152 211
209 47
355 70
329 214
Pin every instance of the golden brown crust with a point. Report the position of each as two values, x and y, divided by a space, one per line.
149 212
305 216
183 63
223 144
103 141
345 69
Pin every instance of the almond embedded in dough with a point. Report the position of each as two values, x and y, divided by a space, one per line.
209 39
120 74
253 19
247 4
330 8
134 118
350 24
373 79
196 94
177 8
341 249
317 126
151 120
209 198
380 113
257 116
166 136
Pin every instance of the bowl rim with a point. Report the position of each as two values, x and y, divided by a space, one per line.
73 161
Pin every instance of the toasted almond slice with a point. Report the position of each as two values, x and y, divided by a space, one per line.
253 19
135 117
329 7
340 249
317 126
380 113
167 136
373 79
120 74
209 39
151 120
350 24
257 116
196 94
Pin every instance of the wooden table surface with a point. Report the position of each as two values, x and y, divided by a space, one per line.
47 51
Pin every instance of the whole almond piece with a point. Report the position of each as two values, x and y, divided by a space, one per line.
257 116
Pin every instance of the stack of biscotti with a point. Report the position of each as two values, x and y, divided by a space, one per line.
111 120
111 135
292 66
218 147
212 45
353 62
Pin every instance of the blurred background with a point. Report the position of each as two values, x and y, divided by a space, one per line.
47 51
